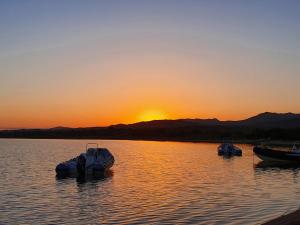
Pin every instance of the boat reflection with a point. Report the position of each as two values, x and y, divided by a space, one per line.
227 157
271 165
98 176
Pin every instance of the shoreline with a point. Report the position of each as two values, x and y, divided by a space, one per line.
292 218
282 143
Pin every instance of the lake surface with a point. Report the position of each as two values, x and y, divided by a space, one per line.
151 183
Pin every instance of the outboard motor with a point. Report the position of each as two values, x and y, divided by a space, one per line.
81 164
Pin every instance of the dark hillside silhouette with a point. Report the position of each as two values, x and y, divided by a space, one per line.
271 126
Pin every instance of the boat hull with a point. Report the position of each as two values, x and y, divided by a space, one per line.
93 161
66 169
229 150
267 154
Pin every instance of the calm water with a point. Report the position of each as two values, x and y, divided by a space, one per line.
151 182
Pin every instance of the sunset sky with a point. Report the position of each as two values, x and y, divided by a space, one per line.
95 63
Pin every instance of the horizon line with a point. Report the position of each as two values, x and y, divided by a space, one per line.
197 118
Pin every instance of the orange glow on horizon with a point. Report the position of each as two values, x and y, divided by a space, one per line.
149 115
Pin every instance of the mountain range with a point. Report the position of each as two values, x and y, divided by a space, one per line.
282 126
263 120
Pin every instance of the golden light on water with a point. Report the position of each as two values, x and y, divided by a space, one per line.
149 115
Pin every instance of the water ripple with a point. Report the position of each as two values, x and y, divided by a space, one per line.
151 183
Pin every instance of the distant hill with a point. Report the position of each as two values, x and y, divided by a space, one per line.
263 120
170 123
273 120
279 126
59 128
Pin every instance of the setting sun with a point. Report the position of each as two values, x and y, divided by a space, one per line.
152 115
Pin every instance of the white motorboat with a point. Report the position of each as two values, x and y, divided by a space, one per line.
93 160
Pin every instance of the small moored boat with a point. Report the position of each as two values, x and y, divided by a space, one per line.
228 149
279 155
93 160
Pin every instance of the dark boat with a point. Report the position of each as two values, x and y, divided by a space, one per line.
228 149
268 154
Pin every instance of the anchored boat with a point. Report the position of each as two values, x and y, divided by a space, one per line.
228 149
93 160
277 155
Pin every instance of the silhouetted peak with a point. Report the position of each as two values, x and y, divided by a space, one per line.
272 115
